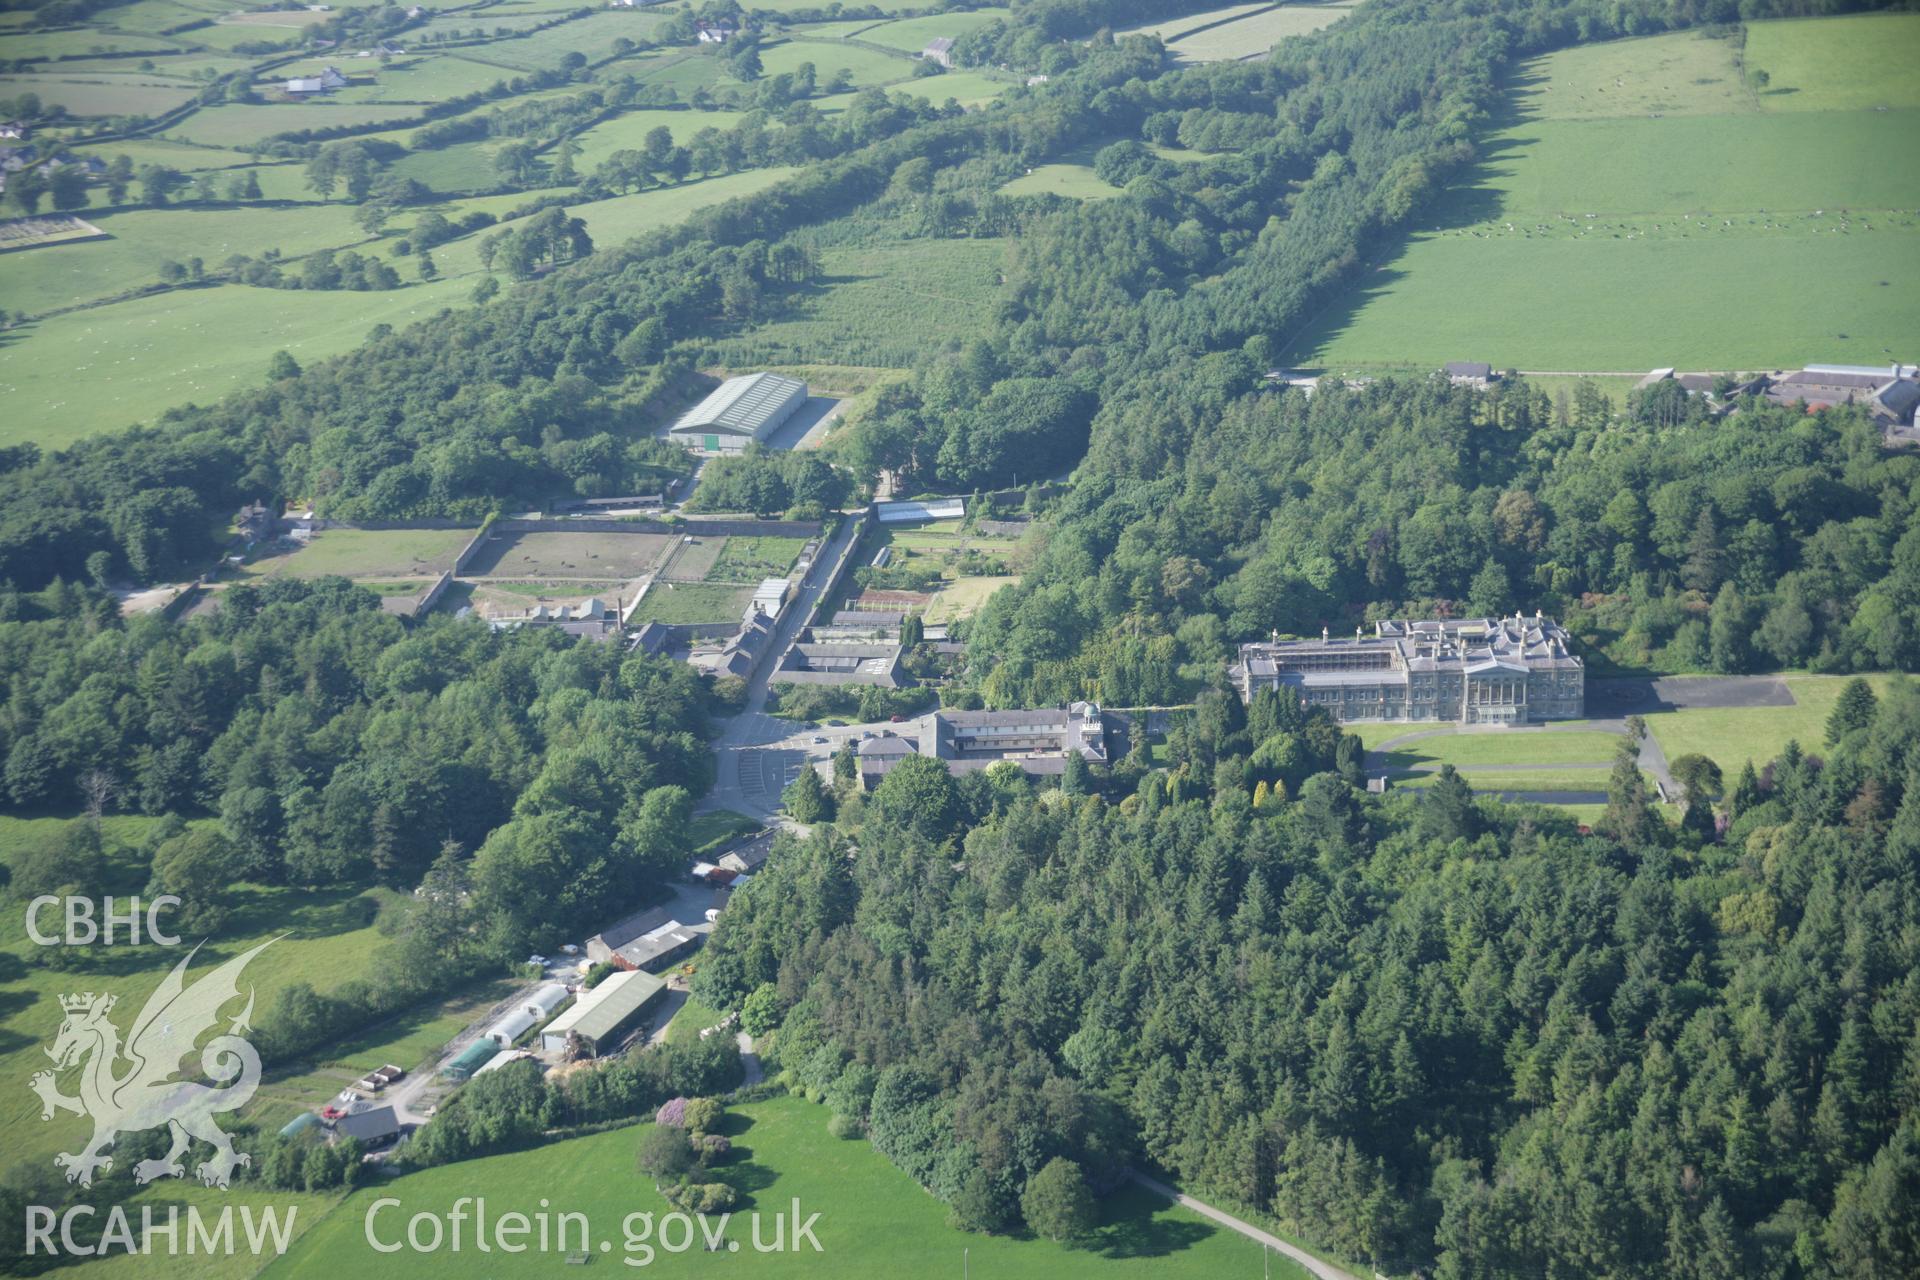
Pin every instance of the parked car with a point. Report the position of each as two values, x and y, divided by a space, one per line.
539 960
819 741
346 1096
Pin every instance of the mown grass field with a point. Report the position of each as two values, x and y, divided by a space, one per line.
142 239
968 88
1482 750
1253 35
366 553
105 368
692 602
1168 28
867 66
1064 178
1672 209
911 35
102 94
880 305
874 1220
629 132
1732 736
234 124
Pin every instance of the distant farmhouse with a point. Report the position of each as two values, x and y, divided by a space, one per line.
717 32
1469 373
940 51
1466 671
327 81
1038 741
15 129
739 412
1889 393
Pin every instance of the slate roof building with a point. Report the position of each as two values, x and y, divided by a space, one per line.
940 51
1462 670
649 941
1889 392
1038 740
1468 373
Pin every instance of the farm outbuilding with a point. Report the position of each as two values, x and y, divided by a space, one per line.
739 412
600 1015
510 1028
471 1059
543 1002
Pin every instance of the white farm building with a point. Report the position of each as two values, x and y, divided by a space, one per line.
740 411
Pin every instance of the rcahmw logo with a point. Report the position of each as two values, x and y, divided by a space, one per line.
126 1086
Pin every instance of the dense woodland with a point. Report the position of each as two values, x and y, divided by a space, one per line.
1443 1034
339 748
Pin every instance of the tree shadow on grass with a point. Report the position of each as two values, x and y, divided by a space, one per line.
1137 1224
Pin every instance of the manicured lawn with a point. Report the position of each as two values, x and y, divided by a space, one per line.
1730 737
366 553
1491 778
105 368
692 602
1639 176
874 1221
1518 746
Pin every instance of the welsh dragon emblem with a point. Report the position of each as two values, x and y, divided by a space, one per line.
124 1089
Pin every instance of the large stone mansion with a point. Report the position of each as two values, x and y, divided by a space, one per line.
1456 670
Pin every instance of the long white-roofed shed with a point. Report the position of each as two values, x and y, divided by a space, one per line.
739 412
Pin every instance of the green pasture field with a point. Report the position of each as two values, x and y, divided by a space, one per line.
751 559
616 220
790 6
409 79
104 368
1169 28
239 123
685 74
464 166
593 36
867 66
692 602
228 36
295 18
911 35
1858 62
1644 179
838 30
172 64
968 88
1483 750
99 94
333 938
365 553
881 305
1252 36
150 17
874 1220
569 554
142 239
1076 181
629 132
1732 736
44 46
176 155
